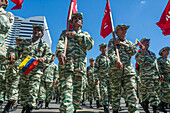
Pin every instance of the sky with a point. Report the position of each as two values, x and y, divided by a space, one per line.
141 15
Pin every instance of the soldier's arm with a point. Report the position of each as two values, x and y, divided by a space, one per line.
140 58
47 54
111 52
160 63
130 48
56 75
85 40
96 68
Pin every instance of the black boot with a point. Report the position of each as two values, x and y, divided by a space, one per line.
46 105
91 104
115 111
144 104
40 105
162 107
14 106
28 109
98 104
1 102
23 110
155 109
7 107
106 109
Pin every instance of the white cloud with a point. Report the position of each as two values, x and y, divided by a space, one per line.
143 2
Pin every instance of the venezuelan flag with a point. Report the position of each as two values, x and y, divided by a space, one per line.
28 64
137 43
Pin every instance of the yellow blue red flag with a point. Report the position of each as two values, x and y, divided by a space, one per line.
28 64
137 43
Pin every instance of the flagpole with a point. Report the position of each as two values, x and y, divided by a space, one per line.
114 38
68 26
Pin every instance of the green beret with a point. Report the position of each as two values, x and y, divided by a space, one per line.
143 39
163 49
39 26
121 26
19 38
102 45
5 6
91 59
77 14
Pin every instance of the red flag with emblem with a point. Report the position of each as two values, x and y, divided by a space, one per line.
18 4
106 27
74 10
164 22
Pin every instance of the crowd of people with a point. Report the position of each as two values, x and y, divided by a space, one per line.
108 77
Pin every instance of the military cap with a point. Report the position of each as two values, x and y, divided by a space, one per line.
77 14
121 26
39 26
5 6
143 39
103 44
91 59
19 38
163 49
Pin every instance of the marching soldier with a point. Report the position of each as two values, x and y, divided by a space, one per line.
37 49
93 87
6 22
12 75
101 72
164 68
49 79
72 65
122 73
150 83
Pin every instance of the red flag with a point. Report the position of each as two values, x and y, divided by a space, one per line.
164 22
106 27
74 10
18 4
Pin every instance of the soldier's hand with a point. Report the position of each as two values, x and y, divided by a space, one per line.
87 84
70 34
2 2
11 58
162 78
96 81
118 42
62 59
41 60
55 82
119 65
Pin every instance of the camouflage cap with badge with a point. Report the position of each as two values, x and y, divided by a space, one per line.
39 26
163 49
144 39
103 45
121 26
19 38
77 14
91 59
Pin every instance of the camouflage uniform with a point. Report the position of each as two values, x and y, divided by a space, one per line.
31 81
164 67
149 77
101 72
92 86
6 22
71 74
125 78
49 76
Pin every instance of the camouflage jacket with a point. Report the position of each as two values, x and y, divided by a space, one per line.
147 62
6 22
50 73
37 49
76 59
90 75
164 67
126 52
101 66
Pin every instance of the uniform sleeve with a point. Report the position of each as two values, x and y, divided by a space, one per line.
47 54
85 40
140 58
111 51
56 76
130 48
96 68
60 45
159 61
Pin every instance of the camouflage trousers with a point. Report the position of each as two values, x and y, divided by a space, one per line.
12 89
45 92
128 83
71 85
29 87
57 92
93 90
2 80
103 88
150 90
165 90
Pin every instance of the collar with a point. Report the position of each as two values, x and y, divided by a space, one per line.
1 9
37 41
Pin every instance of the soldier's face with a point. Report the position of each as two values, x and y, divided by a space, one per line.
18 42
77 21
92 62
165 53
146 43
103 49
121 32
37 33
3 2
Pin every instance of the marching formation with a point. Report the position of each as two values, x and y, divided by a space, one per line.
29 76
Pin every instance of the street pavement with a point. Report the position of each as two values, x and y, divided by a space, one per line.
54 108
